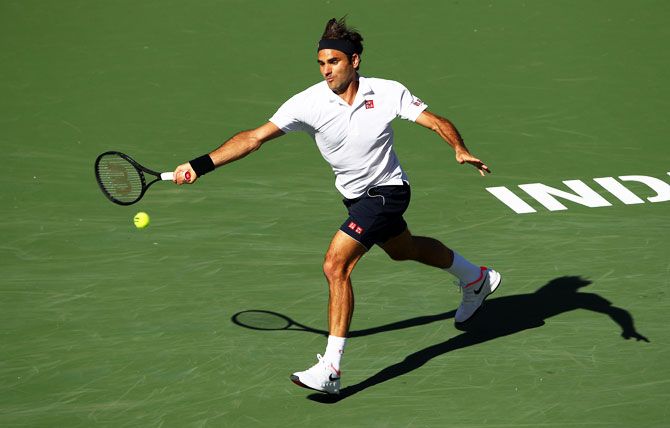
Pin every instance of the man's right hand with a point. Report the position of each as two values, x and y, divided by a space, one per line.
181 172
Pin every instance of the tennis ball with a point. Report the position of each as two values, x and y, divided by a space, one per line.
141 220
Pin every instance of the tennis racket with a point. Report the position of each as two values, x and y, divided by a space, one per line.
270 321
123 180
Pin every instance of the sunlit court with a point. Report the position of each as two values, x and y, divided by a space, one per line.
195 305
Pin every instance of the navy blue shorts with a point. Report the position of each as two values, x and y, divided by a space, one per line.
376 217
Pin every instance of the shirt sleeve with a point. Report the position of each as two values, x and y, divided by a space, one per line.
288 116
410 106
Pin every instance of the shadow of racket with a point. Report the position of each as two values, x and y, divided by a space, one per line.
255 319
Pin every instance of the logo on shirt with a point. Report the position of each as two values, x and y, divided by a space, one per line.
356 228
369 104
417 101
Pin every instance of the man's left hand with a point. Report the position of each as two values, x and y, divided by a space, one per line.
463 157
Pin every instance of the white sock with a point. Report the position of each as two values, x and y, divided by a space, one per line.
463 269
334 350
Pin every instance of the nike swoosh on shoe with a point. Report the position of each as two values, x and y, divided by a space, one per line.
479 290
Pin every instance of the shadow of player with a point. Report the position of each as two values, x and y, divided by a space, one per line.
499 317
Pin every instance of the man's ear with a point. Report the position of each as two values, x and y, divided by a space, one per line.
355 60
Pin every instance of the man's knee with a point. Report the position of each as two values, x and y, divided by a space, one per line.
403 248
401 254
335 268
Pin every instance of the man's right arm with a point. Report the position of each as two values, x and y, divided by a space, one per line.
240 145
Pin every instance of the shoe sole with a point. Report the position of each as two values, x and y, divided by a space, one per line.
295 379
483 300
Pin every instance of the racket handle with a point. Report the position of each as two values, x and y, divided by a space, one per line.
169 176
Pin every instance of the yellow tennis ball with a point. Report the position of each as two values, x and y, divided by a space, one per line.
141 220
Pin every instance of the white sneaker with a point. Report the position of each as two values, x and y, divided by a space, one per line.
475 292
321 377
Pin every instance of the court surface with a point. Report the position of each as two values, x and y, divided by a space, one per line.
105 325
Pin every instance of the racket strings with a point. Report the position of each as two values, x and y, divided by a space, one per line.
119 178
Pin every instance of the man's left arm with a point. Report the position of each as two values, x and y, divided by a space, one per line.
448 132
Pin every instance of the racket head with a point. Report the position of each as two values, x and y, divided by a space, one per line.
262 320
120 178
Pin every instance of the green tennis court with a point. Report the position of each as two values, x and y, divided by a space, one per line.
106 325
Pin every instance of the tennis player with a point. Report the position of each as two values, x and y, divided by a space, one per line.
349 117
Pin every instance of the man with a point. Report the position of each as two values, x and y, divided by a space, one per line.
349 117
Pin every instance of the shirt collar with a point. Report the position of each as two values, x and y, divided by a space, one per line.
364 90
364 87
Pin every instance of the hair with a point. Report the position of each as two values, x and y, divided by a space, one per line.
338 30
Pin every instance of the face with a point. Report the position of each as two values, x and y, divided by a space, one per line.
336 68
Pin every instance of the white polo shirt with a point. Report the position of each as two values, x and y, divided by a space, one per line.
356 140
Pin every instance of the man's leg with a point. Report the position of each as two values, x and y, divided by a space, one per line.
341 258
477 282
422 249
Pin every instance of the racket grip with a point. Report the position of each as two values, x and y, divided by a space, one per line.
169 176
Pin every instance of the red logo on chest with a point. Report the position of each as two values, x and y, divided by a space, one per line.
369 104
